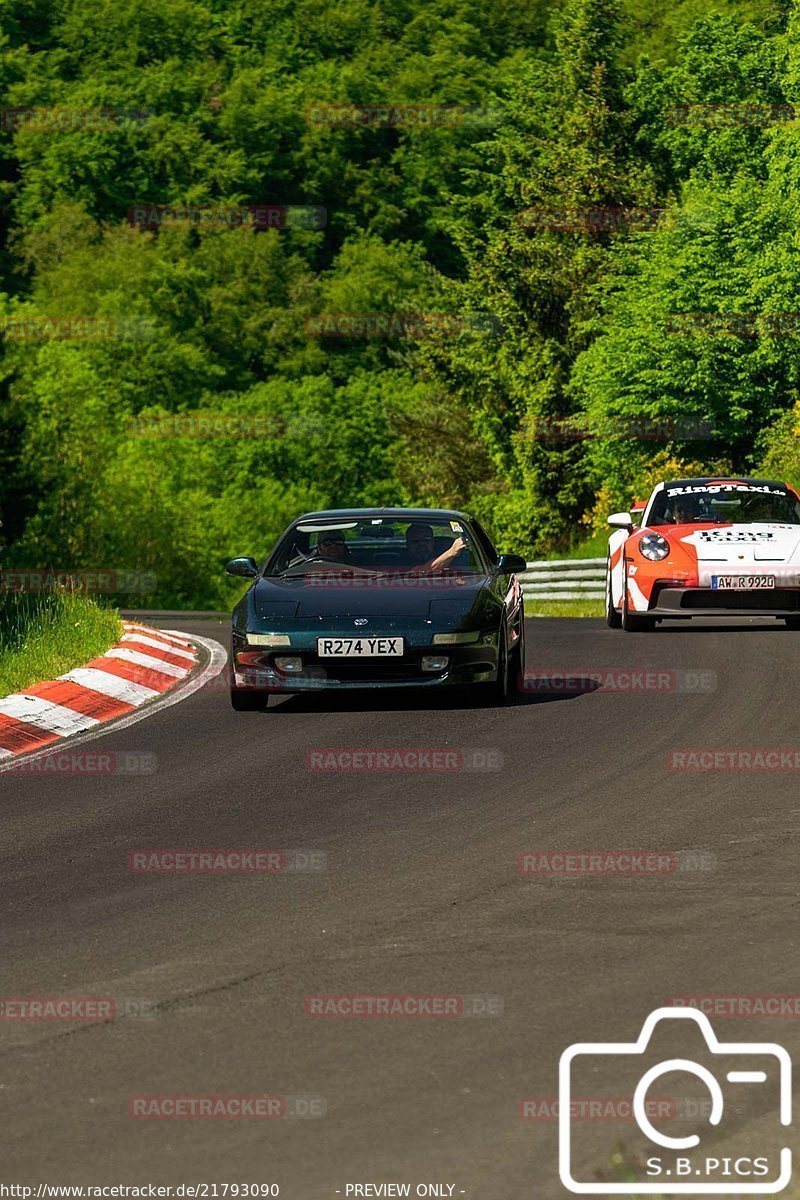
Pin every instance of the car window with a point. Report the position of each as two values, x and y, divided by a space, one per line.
381 545
738 504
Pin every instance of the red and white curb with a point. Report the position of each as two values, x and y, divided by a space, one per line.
128 682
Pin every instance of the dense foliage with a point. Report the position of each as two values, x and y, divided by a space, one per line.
525 405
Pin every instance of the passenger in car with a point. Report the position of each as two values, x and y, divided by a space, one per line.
421 548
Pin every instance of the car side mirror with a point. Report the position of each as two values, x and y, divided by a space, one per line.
509 563
246 567
621 520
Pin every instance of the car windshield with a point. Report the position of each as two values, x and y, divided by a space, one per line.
377 546
738 504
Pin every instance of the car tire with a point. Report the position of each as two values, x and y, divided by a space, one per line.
792 622
516 665
500 691
243 700
613 619
632 622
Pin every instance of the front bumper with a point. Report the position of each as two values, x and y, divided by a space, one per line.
467 665
710 602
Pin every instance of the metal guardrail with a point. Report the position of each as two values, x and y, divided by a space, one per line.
564 579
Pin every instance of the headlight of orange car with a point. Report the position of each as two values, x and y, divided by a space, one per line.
654 547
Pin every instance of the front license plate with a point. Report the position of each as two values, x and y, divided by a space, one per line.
361 647
742 582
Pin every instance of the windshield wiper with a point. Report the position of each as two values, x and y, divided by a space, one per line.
302 573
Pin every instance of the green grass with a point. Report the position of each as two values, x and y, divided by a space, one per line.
564 608
42 637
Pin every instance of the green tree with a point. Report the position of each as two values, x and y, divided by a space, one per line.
564 147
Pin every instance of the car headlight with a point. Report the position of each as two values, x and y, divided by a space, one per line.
654 547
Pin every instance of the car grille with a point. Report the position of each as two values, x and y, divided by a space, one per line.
378 671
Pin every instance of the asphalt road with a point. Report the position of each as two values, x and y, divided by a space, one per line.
421 894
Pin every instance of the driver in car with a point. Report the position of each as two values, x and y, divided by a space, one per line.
683 512
332 547
420 548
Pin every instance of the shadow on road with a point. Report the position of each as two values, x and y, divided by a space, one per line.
373 700
698 625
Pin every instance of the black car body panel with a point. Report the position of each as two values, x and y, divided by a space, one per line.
481 606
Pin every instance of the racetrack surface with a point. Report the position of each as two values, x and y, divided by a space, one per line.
422 894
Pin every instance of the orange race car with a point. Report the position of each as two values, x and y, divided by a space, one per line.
706 548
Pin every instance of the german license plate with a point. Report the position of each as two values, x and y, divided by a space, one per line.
360 647
744 583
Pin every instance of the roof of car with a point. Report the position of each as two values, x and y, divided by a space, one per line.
401 514
774 483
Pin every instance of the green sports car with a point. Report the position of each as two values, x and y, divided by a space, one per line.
378 598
